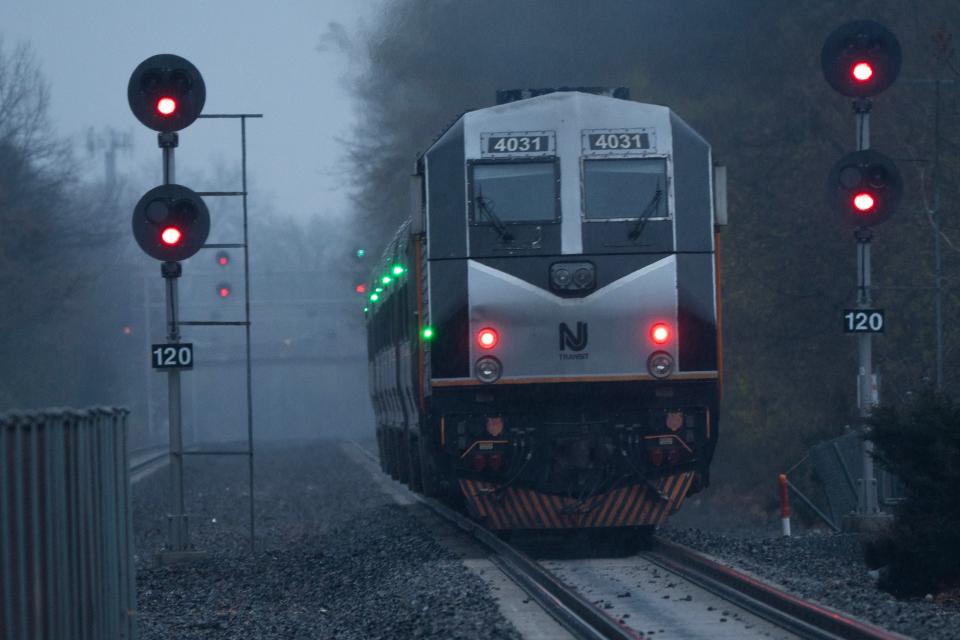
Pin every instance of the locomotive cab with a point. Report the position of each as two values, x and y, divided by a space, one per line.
564 266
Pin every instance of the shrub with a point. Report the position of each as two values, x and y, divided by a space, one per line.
920 443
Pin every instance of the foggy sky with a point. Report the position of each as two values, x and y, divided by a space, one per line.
255 57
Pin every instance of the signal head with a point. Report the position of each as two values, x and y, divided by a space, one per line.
865 187
171 223
861 58
166 92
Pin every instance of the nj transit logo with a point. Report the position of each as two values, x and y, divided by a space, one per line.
573 341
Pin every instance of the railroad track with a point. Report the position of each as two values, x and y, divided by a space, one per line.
145 460
585 619
801 617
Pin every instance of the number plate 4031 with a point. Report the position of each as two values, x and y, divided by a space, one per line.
863 321
172 356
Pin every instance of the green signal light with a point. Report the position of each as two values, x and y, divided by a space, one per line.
361 253
427 333
374 297
379 289
386 279
366 309
398 269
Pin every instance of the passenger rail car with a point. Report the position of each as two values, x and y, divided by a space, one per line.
543 333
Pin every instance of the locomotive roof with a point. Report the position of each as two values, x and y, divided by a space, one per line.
550 105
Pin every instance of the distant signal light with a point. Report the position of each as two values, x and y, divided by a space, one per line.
862 71
166 106
171 236
864 202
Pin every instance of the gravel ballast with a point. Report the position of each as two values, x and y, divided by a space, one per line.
336 558
828 569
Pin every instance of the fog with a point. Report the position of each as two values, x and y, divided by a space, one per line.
351 93
82 304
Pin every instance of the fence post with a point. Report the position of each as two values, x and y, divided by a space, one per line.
784 505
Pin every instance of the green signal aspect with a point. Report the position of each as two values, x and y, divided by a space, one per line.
398 269
427 333
374 297
386 279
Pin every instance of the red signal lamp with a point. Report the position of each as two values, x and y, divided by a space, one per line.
223 261
224 292
360 288
487 338
862 71
660 333
171 236
864 202
166 106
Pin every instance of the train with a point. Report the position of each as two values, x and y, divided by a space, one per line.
544 331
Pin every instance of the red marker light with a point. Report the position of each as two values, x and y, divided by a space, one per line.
224 292
862 71
660 333
166 106
171 236
223 261
361 288
487 338
863 202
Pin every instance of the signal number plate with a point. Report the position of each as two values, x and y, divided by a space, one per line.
172 356
863 321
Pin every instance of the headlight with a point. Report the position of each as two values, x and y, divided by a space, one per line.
488 369
583 278
660 364
561 277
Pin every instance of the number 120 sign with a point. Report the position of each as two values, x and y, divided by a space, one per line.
172 356
863 321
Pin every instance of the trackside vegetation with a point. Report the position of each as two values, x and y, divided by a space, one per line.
919 441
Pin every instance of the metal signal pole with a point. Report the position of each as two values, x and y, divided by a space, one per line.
868 393
178 538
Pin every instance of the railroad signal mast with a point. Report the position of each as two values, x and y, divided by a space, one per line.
170 223
861 59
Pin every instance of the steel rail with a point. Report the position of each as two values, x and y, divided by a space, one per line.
144 458
579 616
790 612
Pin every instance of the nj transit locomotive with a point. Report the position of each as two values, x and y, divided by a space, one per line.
543 332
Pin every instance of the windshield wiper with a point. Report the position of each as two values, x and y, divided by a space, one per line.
652 206
501 229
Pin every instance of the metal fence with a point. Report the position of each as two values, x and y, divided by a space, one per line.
66 545
828 480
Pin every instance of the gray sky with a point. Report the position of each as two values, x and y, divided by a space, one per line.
254 56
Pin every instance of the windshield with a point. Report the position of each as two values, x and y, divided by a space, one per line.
624 188
514 192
